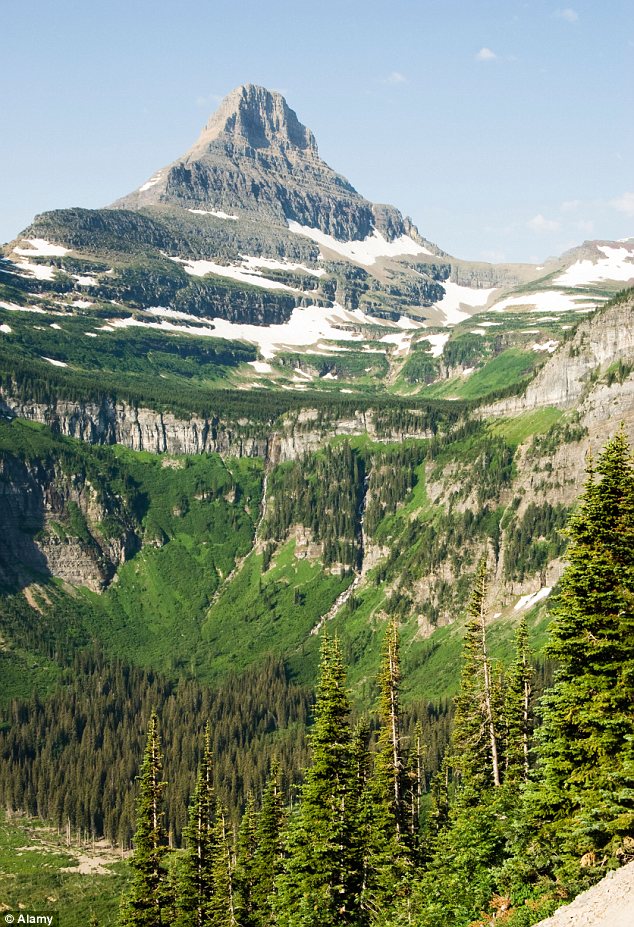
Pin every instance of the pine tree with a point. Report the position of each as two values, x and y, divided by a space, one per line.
389 849
222 904
269 852
148 903
245 874
195 887
518 710
321 882
474 749
469 809
583 803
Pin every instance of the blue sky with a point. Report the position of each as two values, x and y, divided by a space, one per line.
504 129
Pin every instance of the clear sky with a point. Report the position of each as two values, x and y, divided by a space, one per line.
504 129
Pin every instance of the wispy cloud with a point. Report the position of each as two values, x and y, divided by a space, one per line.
624 203
567 14
395 78
485 54
540 223
570 205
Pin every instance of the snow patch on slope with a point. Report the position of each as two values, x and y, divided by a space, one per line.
40 247
254 263
527 601
305 327
151 182
457 296
214 212
618 264
550 301
201 267
363 251
39 271
437 343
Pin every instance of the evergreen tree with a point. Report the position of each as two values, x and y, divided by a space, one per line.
583 803
321 882
269 852
389 838
148 903
474 748
222 904
518 710
245 873
195 887
470 811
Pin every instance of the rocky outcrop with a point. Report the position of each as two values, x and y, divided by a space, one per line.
51 526
574 374
609 903
109 422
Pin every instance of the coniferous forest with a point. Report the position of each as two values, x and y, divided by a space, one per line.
532 801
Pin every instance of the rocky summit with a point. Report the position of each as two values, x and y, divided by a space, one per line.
255 158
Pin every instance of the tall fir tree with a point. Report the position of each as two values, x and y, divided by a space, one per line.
269 852
321 882
389 835
245 878
148 902
518 711
469 809
222 904
582 805
195 876
475 744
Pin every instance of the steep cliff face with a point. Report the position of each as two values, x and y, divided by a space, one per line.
53 524
162 432
577 372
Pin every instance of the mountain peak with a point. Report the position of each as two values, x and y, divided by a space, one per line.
254 117
254 158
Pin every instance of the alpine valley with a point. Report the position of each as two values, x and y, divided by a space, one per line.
244 410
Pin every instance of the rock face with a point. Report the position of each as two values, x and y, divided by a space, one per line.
141 429
255 158
578 373
609 903
51 526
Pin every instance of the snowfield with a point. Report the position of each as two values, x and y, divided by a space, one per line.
232 272
40 247
550 301
39 271
437 343
618 264
527 601
366 251
218 213
457 296
151 182
306 326
254 263
12 307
